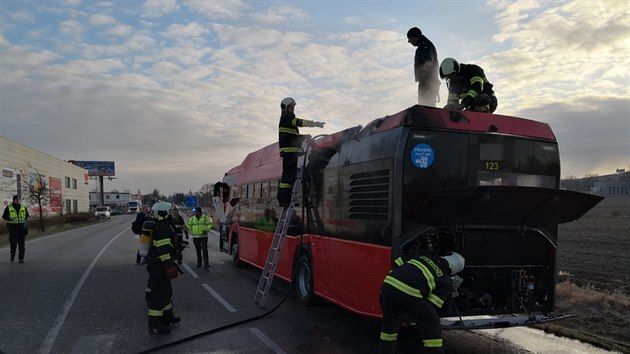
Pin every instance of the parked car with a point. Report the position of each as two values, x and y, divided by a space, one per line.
103 212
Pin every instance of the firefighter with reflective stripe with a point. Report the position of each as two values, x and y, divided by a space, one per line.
290 143
468 87
156 245
179 226
418 287
16 216
199 225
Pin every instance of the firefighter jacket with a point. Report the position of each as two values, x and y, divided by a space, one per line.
467 84
178 224
421 277
199 226
15 214
162 235
289 138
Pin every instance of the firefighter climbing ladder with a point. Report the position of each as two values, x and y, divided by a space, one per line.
264 285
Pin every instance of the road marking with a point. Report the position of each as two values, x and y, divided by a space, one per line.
219 298
268 342
192 272
54 331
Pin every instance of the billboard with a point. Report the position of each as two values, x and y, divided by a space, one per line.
97 168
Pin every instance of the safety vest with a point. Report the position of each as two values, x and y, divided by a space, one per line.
17 218
199 226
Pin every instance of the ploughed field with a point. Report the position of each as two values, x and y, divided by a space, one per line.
594 251
594 281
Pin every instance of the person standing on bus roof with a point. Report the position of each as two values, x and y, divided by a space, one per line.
418 287
468 83
425 67
199 225
290 143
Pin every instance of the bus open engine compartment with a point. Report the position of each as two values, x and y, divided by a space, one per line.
507 270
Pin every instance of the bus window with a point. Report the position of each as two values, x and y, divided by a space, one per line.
265 190
509 161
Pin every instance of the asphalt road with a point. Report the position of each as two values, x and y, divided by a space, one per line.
80 291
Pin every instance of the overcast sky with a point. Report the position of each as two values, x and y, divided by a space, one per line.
176 92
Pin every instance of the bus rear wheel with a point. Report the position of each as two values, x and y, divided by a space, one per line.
304 281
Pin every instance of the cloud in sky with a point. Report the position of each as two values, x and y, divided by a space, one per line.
177 92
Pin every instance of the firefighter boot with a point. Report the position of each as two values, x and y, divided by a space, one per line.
169 318
156 325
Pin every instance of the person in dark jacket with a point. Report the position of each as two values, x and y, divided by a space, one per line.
290 143
16 217
418 287
425 67
157 246
468 87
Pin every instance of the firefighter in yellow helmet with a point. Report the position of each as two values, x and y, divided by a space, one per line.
290 143
418 287
157 245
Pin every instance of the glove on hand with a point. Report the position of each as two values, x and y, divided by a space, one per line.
319 124
454 106
171 272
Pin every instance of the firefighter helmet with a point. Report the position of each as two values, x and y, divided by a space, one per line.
455 262
285 103
448 67
162 209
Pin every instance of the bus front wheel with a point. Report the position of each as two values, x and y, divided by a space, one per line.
304 281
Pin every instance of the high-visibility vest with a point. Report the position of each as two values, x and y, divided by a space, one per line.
17 218
199 226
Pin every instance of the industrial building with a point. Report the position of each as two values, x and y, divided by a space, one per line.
31 174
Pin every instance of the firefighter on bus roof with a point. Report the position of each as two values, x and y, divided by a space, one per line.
417 287
468 83
290 143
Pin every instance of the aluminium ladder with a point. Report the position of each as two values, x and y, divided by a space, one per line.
264 285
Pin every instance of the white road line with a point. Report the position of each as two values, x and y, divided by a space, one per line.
189 270
268 342
49 341
219 298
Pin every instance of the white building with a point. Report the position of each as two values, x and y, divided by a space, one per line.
23 168
112 199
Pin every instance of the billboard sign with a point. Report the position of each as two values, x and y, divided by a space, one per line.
97 168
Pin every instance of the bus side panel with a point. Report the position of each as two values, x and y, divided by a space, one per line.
357 271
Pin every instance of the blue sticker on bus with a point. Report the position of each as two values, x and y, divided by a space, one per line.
422 155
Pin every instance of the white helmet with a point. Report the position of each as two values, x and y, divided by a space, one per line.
285 103
162 209
455 262
448 67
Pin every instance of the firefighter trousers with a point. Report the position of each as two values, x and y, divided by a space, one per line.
289 175
393 304
159 291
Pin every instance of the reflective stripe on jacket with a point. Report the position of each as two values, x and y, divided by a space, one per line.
199 227
421 277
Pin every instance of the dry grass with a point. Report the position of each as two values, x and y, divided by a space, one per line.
603 318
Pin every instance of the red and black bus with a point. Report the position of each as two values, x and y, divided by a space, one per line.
483 185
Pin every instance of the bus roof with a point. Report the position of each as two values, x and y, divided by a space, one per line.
266 163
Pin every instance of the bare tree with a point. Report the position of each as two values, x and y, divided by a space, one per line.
205 194
37 193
